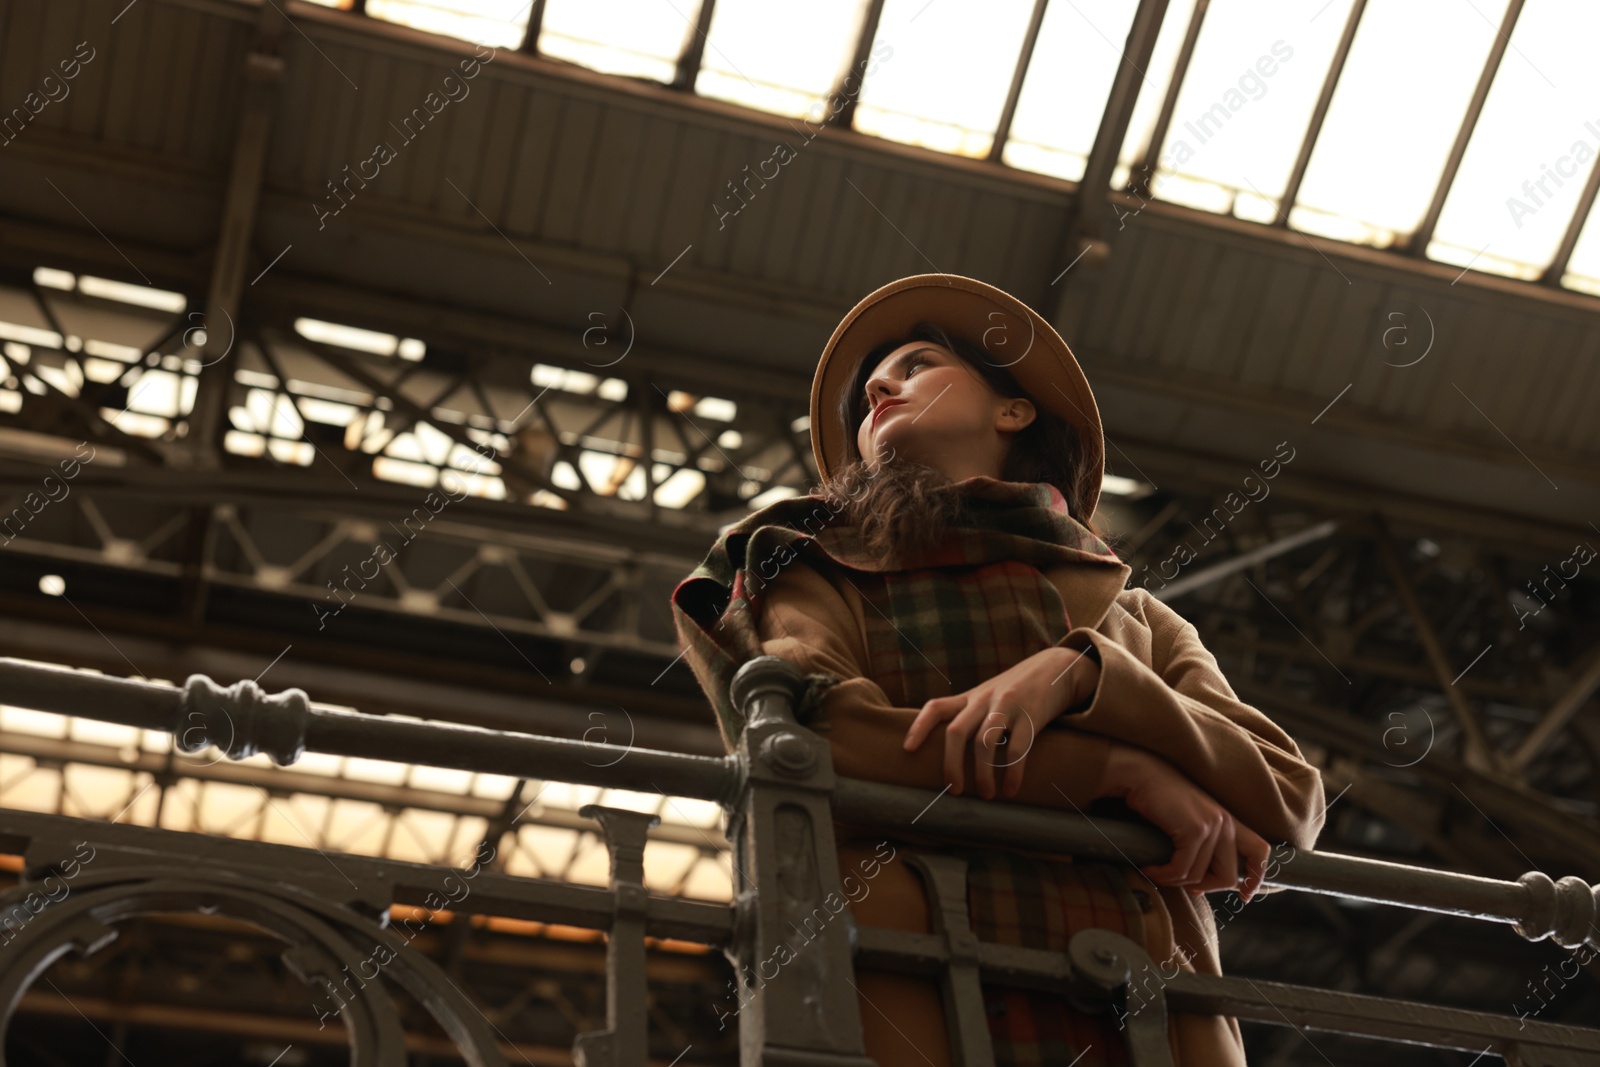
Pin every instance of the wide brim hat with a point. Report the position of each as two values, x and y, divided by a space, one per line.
1014 335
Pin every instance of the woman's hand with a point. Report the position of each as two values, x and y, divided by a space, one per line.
1005 714
1207 841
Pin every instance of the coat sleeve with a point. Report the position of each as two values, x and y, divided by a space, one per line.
806 620
1184 710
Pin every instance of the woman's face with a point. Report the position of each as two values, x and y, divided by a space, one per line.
930 407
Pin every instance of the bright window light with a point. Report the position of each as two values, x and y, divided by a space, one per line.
544 376
677 487
30 335
389 469
406 446
142 295
1245 103
157 392
333 333
1075 59
772 496
714 407
1116 485
640 38
562 476
496 23
1583 270
327 412
1531 150
135 423
945 82
609 475
241 443
297 452
67 378
273 414
107 350
779 57
51 278
102 370
1407 99
484 485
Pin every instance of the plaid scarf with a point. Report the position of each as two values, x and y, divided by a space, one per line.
946 617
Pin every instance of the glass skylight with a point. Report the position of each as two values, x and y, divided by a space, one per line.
944 83
1245 102
496 23
1069 78
780 58
1401 102
641 38
1532 149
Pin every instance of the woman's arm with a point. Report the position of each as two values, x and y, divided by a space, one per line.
804 619
1184 711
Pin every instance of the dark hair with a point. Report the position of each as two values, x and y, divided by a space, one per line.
896 508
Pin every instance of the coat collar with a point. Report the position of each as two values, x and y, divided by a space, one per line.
1088 592
1027 521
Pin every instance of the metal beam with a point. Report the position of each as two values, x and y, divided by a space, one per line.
1019 74
1084 223
1540 826
51 751
1555 720
1417 243
694 49
263 71
1291 190
349 366
1247 560
383 681
1569 239
530 34
1139 178
845 117
1092 189
1477 753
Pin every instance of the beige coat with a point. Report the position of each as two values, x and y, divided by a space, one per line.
1159 689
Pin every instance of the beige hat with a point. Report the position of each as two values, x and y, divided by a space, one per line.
1015 335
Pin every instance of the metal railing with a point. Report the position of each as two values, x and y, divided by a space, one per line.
781 798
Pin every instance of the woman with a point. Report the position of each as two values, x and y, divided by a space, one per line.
961 624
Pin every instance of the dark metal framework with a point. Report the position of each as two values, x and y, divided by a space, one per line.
781 796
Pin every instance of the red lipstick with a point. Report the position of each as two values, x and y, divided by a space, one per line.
882 407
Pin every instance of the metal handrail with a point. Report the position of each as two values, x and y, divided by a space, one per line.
782 798
243 720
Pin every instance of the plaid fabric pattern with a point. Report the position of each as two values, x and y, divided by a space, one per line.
938 622
936 632
1040 903
966 607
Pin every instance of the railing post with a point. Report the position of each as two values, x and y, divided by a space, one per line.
625 1040
946 879
793 932
1106 962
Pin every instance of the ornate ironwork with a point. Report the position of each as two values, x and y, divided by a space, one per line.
781 796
